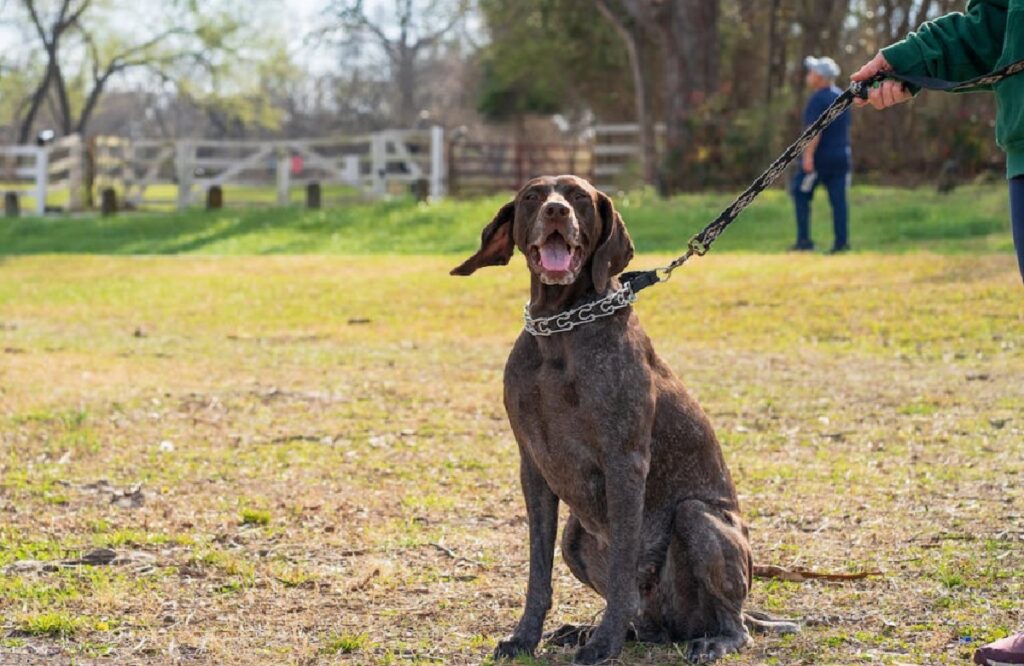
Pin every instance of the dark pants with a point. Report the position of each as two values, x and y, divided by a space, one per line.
835 182
1017 218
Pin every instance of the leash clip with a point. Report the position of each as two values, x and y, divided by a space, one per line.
697 247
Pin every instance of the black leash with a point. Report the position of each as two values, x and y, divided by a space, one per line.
701 243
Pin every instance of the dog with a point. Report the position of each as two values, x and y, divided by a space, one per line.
604 426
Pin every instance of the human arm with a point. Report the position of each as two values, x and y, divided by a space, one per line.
954 47
808 157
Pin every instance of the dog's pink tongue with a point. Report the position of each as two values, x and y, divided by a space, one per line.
555 256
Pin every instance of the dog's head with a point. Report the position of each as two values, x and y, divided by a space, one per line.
564 226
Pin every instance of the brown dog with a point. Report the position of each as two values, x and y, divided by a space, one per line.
606 427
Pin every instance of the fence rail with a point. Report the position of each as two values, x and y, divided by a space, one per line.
73 172
149 171
23 171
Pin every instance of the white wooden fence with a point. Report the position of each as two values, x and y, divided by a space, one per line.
23 172
40 172
178 172
616 154
168 171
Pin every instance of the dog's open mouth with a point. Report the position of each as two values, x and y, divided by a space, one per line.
555 257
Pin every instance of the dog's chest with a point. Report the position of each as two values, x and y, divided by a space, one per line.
544 407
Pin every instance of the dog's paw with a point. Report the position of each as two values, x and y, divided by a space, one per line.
707 650
513 647
569 635
599 649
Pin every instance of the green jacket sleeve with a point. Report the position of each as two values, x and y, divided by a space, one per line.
954 47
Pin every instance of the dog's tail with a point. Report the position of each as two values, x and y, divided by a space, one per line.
762 623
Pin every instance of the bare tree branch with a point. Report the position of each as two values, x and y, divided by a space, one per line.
403 50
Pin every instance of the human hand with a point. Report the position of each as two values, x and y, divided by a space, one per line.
808 162
886 94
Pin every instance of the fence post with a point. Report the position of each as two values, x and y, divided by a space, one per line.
284 171
214 197
75 168
379 163
313 196
183 165
11 204
42 174
437 163
108 201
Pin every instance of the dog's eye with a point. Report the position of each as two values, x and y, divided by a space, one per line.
530 196
581 196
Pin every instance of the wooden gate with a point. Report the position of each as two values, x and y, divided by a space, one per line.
143 170
481 167
376 165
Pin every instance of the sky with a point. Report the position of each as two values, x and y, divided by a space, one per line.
291 19
299 18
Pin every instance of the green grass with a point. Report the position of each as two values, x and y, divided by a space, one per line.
256 517
973 219
163 197
868 406
54 624
342 485
344 643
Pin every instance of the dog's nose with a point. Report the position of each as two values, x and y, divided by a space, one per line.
555 210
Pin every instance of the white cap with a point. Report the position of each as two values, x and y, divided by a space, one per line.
825 66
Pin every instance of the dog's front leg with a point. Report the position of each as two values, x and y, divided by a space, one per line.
625 481
542 515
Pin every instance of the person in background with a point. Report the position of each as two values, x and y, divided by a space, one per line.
957 47
826 159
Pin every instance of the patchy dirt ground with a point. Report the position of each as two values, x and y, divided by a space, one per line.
305 460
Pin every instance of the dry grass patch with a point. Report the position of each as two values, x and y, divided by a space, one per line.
305 460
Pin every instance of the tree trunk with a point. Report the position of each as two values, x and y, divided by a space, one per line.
746 53
690 36
91 101
62 99
648 149
406 79
25 131
776 52
633 40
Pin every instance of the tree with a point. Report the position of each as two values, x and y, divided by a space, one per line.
687 33
547 57
634 40
84 53
51 31
404 36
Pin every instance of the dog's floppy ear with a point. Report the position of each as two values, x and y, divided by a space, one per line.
496 243
615 249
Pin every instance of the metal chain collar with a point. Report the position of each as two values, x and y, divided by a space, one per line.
564 322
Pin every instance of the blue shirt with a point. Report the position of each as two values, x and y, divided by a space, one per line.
833 153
